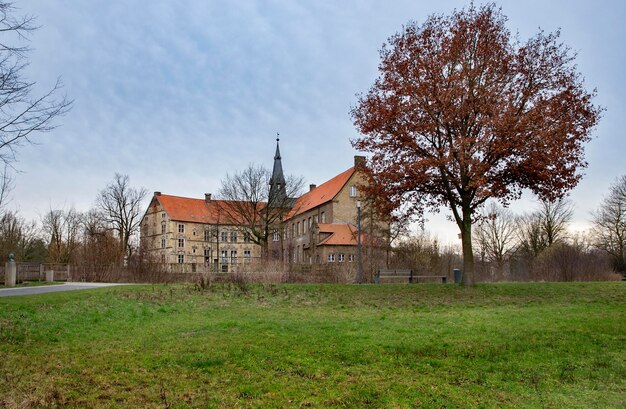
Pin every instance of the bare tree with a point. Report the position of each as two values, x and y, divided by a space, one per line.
19 237
99 247
496 234
418 251
52 225
121 207
610 224
555 217
62 228
21 114
253 206
545 226
6 185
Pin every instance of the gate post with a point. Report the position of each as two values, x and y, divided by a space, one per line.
10 272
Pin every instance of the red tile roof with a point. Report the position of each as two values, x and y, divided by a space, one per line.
341 234
321 194
200 211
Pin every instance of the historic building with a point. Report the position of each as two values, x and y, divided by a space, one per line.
196 232
318 227
321 226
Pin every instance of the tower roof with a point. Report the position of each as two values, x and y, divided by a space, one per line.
278 192
278 178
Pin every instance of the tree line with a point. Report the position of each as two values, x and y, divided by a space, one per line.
104 234
533 245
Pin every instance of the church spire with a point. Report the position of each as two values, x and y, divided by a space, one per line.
277 155
278 193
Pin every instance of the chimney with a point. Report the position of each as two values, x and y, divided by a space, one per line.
312 186
359 161
157 193
207 197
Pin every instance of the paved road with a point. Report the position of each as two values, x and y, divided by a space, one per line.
9 292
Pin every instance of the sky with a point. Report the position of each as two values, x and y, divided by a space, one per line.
176 94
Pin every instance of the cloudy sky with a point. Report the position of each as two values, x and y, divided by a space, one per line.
178 93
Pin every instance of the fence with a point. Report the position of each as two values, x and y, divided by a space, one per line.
257 271
37 271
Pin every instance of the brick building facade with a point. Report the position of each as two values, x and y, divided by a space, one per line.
320 226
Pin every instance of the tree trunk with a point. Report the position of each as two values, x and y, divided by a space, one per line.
468 255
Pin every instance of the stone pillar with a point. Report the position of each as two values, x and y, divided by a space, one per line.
49 276
10 272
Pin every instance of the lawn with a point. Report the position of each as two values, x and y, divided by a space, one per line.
428 345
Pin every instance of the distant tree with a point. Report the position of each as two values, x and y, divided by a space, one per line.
417 251
21 114
6 185
545 226
253 206
62 229
462 113
121 206
19 237
496 234
99 247
610 224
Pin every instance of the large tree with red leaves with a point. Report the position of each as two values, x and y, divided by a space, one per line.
463 112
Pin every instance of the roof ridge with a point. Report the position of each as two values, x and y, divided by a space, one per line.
325 193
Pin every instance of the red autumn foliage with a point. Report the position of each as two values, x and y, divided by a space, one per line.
463 112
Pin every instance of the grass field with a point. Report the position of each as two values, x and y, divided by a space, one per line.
505 345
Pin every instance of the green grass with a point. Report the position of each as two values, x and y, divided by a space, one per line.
493 346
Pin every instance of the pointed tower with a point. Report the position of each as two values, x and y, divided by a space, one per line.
278 193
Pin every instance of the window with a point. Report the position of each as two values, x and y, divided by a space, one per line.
341 258
275 236
207 253
331 258
181 258
162 258
293 230
304 226
315 219
224 236
298 228
352 191
233 236
233 256
310 222
246 237
163 228
224 256
246 256
181 228
350 258
193 232
162 243
323 217
181 242
193 249
207 234
162 215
